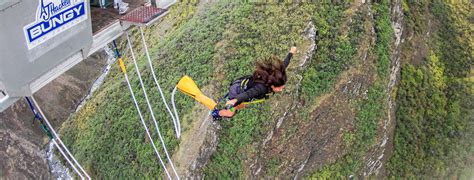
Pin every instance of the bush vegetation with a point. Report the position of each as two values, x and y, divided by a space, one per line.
433 137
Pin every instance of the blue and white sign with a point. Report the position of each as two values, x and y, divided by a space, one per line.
52 18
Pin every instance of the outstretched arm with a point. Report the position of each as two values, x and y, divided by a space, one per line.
289 56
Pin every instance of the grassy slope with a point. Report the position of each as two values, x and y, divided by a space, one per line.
434 117
106 135
108 139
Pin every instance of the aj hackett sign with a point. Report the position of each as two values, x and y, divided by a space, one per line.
52 18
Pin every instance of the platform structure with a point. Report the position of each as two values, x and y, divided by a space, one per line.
102 18
108 25
27 66
143 16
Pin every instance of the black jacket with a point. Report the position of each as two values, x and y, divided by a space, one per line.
258 90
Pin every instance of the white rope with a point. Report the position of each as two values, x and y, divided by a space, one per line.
144 125
149 105
67 159
174 109
177 128
59 139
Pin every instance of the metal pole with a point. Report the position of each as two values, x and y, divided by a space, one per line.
57 137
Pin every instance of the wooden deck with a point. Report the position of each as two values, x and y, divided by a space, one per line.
102 18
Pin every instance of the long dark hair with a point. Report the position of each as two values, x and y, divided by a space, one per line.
270 71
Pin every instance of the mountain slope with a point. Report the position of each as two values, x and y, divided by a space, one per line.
335 118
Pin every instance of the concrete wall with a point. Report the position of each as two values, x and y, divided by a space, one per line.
164 3
21 64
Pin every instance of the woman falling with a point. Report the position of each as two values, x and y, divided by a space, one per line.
269 77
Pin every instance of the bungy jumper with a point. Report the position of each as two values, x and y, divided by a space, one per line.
187 86
245 90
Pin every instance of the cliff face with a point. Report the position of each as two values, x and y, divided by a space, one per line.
23 144
346 110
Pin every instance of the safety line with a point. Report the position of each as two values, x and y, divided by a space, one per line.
122 66
67 159
124 71
149 105
174 108
58 138
177 129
